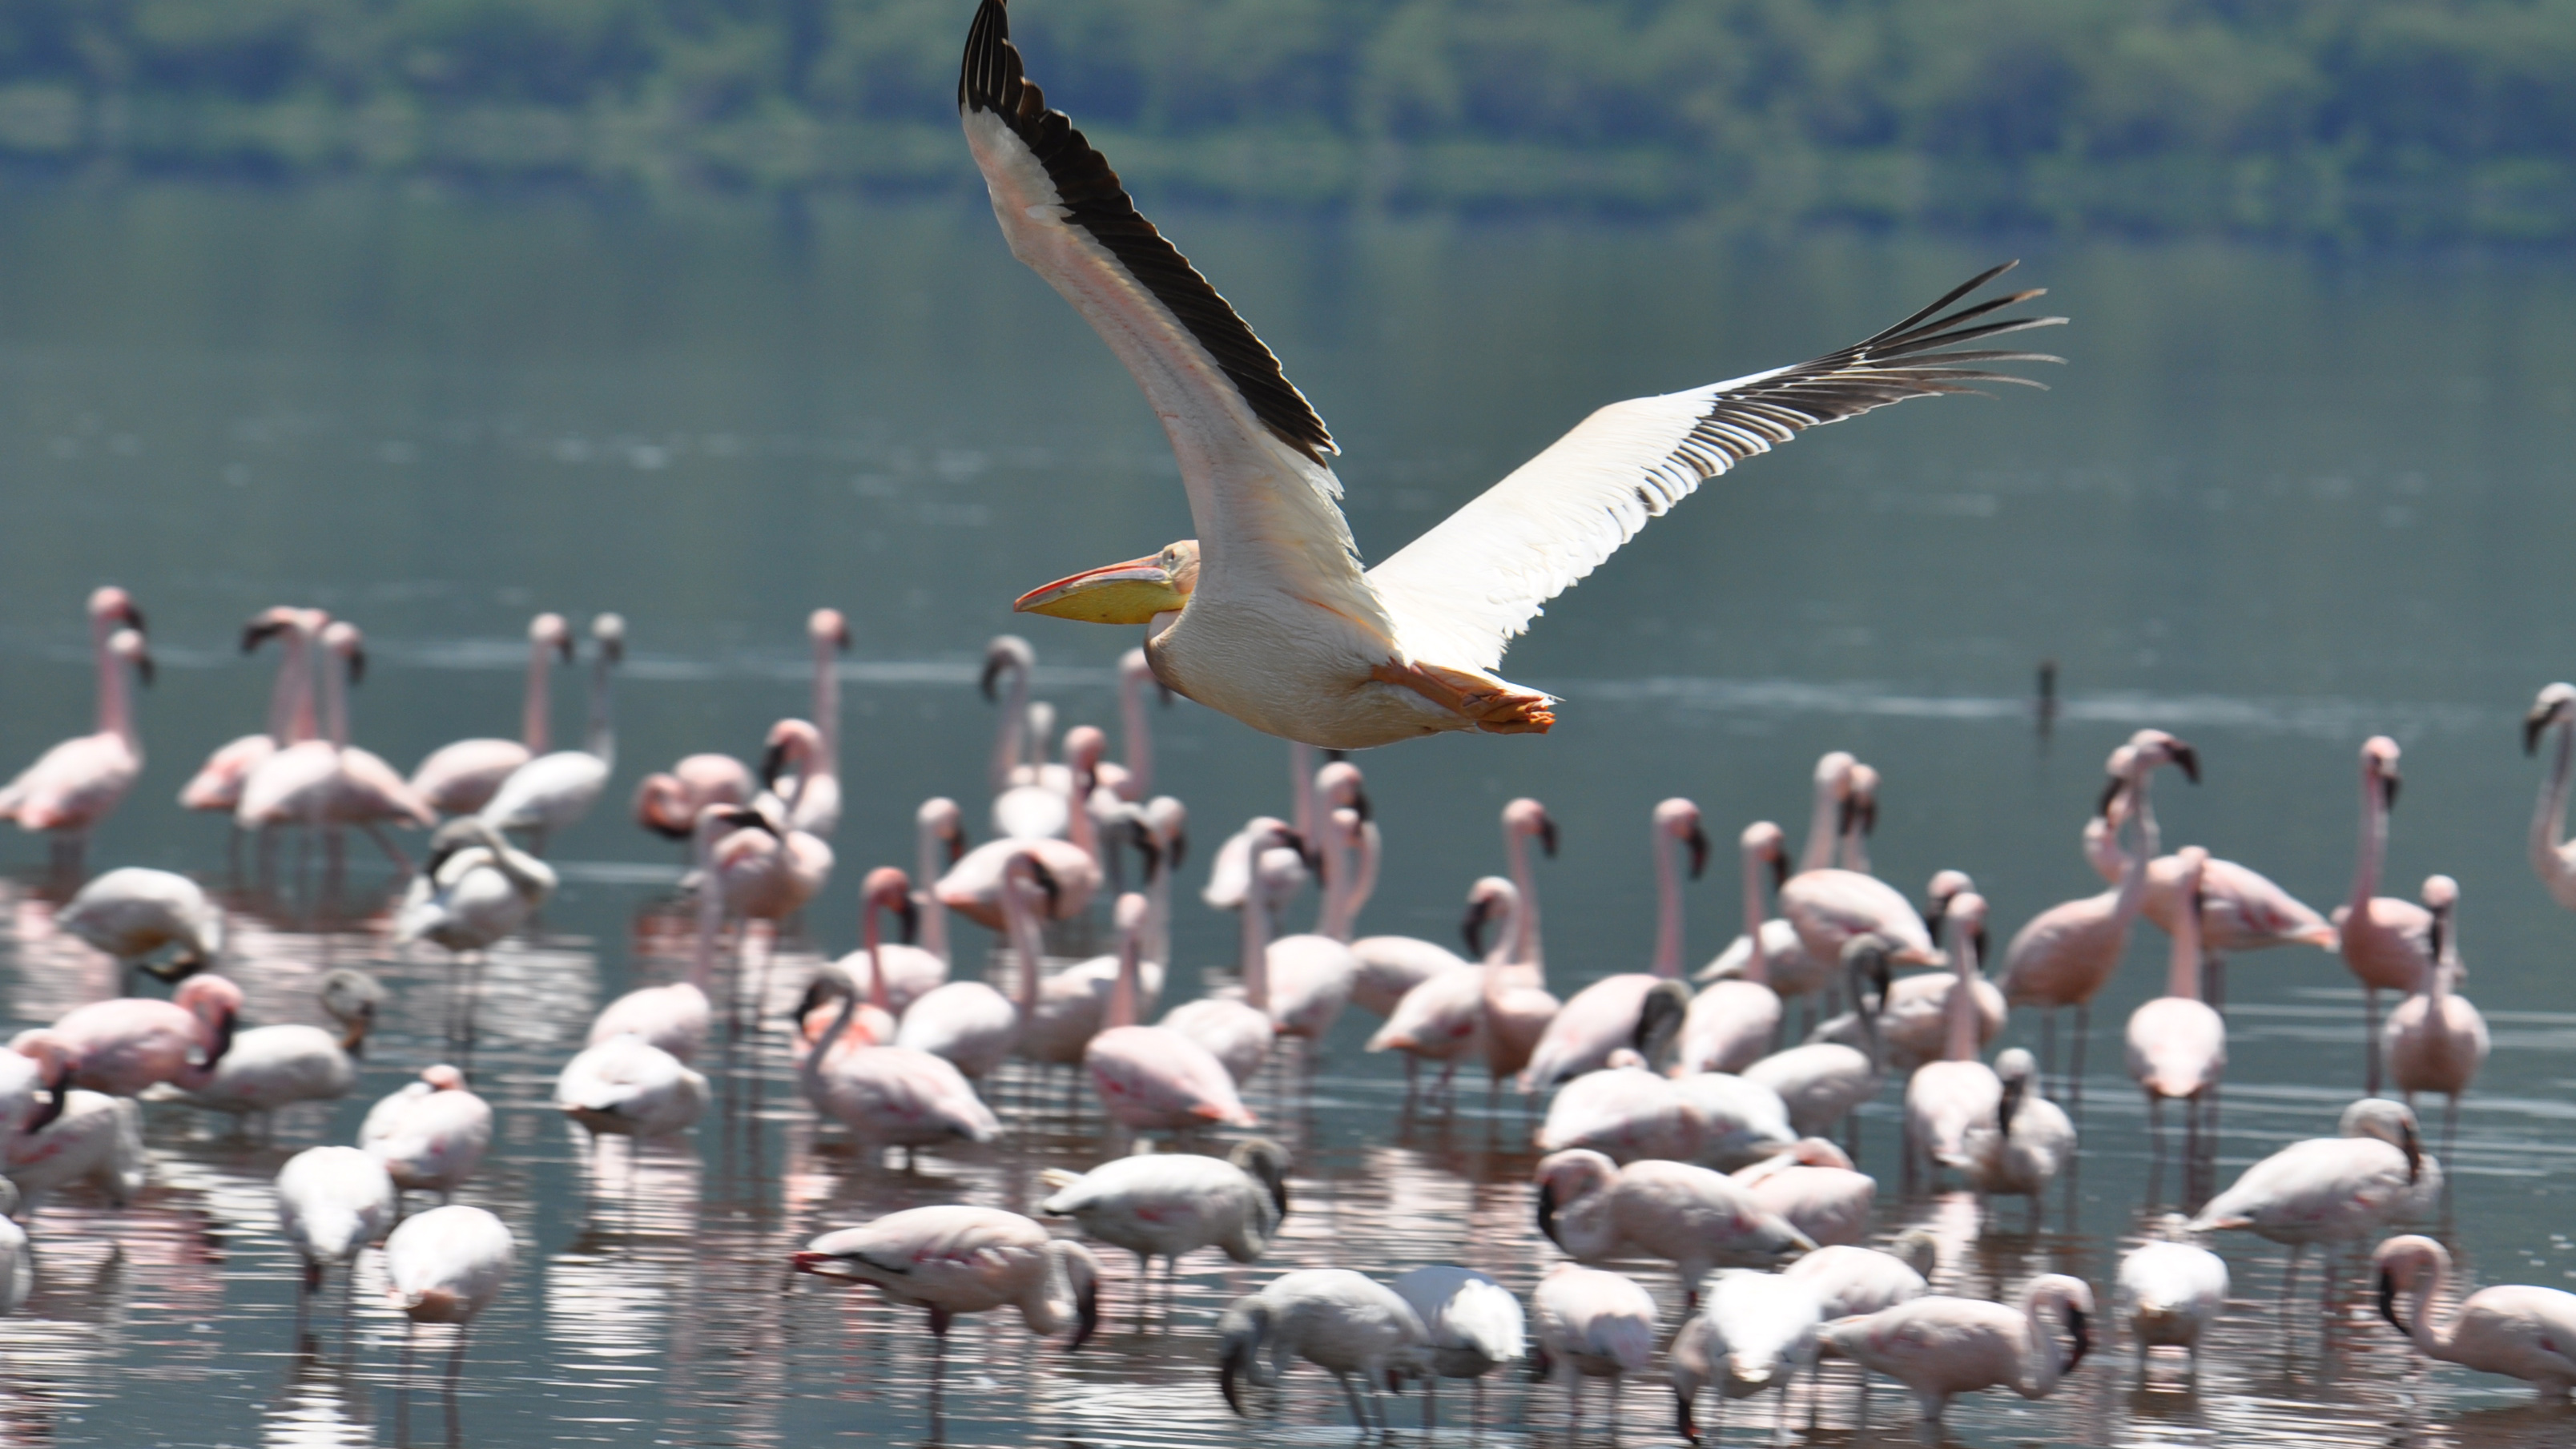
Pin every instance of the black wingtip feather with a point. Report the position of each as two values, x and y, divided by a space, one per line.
990 79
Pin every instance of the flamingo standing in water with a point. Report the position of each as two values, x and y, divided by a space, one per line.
767 869
1696 1219
122 1046
1788 970
1820 1082
271 1067
2178 1042
888 1096
131 912
447 1265
1474 1324
1443 1019
1275 623
2553 857
2435 1040
2330 1190
1390 966
1733 1020
460 778
1153 1078
1238 1030
1630 1009
675 1017
2028 1143
1939 1346
1754 1334
73 786
552 792
968 1022
2510 1329
431 1134
2066 954
1026 806
217 785
1345 1323
816 796
955 1259
1166 1204
475 889
911 972
2387 942
1945 1099
332 1201
2174 1292
1591 1324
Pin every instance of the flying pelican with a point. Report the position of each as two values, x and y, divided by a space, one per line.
459 778
74 785
1266 615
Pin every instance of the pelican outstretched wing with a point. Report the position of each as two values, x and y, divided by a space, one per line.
1251 448
1463 591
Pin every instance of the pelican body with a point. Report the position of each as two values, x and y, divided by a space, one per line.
1267 615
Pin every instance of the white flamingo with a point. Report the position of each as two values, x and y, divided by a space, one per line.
1153 1078
954 1259
1342 1322
1169 1204
132 912
332 1201
431 1134
552 792
2514 1330
460 778
1939 1346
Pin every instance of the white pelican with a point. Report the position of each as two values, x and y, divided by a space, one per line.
1267 615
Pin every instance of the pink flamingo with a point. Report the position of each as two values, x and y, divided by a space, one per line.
1166 1204
2240 908
768 869
1820 1082
217 785
2027 1144
1591 1324
666 802
1631 1008
369 793
1732 1021
817 795
1945 1099
122 1046
431 1134
2553 859
1829 906
448 1264
1518 1005
2435 1040
955 1259
1391 966
2333 1189
1238 1030
460 778
1443 1019
1152 1078
555 790
1849 1280
2177 1042
973 886
675 1017
1347 1324
939 842
1939 1346
2387 942
74 785
2066 954
2510 1329
1788 970
332 1201
911 972
888 1096
1813 1187
1696 1219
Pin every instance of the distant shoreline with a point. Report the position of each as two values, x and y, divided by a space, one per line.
2319 197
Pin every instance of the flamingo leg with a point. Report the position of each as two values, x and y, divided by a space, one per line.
2370 1040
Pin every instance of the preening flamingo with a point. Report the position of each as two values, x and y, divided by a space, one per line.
1939 1346
132 911
1752 1334
955 1259
2027 1144
1345 1323
74 785
460 778
122 1046
431 1134
1695 1219
1473 1323
888 1096
1153 1078
90 1138
2435 1041
217 785
1852 1280
1266 615
2174 1292
1813 1187
554 791
1629 1009
475 889
2553 857
332 1201
625 1086
1944 1099
270 1067
1591 1324
1167 1204
2511 1329
1627 1113
448 1264
2177 1043
2387 942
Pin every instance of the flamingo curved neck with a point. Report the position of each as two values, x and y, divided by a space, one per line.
1818 851
1757 969
809 1072
934 916
2427 1289
1122 993
1959 1043
2132 895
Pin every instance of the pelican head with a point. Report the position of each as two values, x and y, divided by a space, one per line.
1121 593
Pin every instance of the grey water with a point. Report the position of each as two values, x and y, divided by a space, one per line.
2278 500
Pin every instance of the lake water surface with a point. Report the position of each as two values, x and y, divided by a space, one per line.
2279 501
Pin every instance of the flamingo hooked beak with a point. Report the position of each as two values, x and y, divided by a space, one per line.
1121 593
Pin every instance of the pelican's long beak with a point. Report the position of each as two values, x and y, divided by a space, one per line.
1122 593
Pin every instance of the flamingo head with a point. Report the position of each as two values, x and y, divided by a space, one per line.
1005 654
550 631
1487 899
1679 819
112 605
1025 872
791 742
887 888
269 624
1340 785
1084 748
945 823
2123 763
1170 820
610 632
2379 769
352 999
344 639
1266 1162
443 1078
2556 705
217 1002
1134 592
2391 1122
1526 816
55 1065
1860 812
829 626
1763 842
2156 749
662 805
